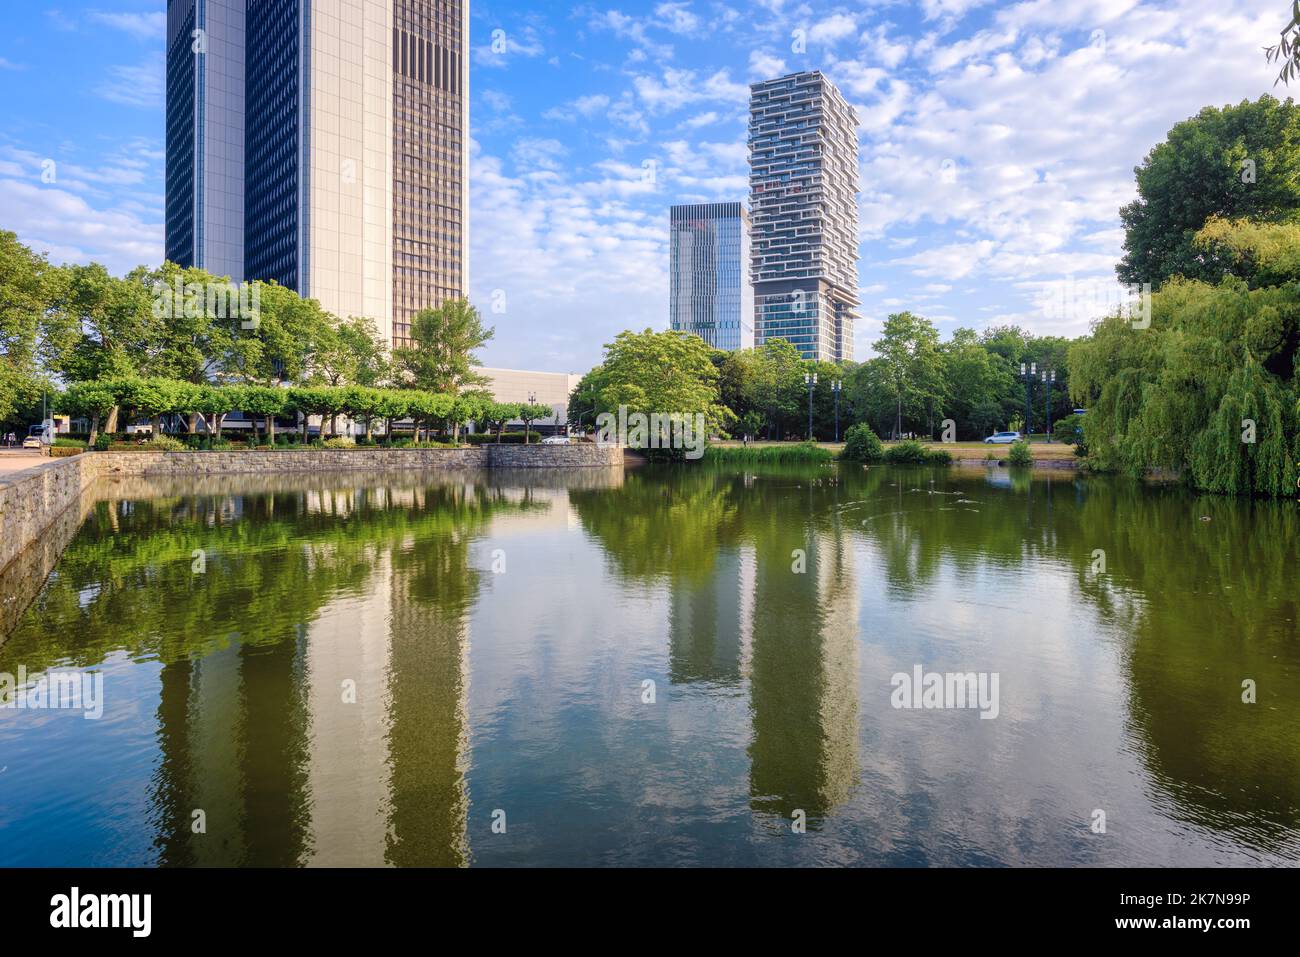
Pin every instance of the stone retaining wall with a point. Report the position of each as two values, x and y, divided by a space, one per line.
31 501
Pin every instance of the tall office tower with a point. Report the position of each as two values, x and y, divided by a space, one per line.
205 135
325 142
712 295
803 157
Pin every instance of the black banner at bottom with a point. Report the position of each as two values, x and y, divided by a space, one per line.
128 906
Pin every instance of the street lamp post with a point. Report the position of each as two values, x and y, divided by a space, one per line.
837 386
1029 372
811 381
1049 378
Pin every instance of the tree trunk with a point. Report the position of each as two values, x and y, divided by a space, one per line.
111 425
94 428
270 429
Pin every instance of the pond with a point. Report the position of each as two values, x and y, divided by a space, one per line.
662 666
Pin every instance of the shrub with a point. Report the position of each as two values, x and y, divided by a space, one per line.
165 443
339 443
1020 454
104 442
914 453
65 443
1069 430
862 445
509 438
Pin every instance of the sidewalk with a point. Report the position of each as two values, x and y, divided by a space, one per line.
16 460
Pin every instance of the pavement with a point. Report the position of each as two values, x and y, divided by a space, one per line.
17 460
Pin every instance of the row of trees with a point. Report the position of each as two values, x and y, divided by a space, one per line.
205 408
914 384
158 329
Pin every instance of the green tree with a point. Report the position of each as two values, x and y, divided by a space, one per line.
351 352
532 412
664 373
28 284
913 369
776 388
1263 254
1209 391
265 402
497 414
90 400
441 356
1239 161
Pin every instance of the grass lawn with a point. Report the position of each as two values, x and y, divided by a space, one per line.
1039 446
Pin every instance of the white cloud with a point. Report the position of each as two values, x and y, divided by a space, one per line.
142 26
141 85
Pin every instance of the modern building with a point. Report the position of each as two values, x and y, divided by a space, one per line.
322 144
803 156
711 293
540 388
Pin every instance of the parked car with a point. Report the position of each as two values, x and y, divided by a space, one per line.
1003 438
33 442
556 440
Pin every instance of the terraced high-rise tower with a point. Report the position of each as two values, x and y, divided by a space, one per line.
803 143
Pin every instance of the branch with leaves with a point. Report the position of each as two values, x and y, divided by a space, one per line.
1287 50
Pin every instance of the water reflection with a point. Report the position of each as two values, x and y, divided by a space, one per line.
306 697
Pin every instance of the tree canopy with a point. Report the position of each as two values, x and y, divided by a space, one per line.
1237 162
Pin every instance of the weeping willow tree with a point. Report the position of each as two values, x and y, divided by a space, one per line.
1209 390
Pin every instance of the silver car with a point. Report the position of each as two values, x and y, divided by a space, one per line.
1003 438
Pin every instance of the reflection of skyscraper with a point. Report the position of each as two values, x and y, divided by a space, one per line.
428 734
803 141
705 624
347 673
234 738
711 295
803 755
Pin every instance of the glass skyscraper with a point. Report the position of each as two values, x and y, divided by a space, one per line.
322 144
803 143
711 295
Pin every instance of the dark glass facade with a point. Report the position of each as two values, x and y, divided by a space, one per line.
273 168
182 73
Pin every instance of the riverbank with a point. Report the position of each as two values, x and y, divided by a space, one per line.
34 499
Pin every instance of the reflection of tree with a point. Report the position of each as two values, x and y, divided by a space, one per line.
234 727
653 529
1229 766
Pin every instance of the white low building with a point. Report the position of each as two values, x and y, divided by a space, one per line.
543 388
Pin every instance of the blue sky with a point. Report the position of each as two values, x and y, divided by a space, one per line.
998 143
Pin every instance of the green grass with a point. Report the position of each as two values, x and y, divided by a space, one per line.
787 454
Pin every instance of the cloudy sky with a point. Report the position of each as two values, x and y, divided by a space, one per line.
998 143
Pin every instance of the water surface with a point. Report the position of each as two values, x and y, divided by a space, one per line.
663 667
